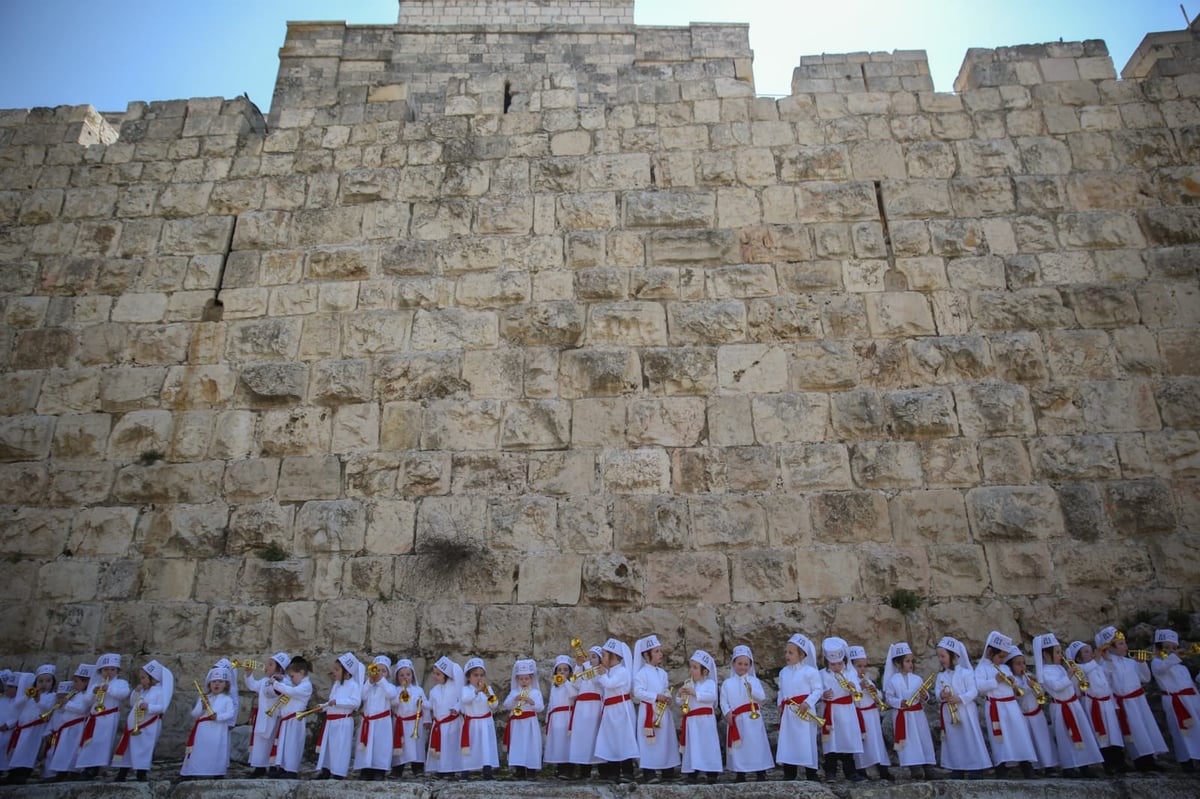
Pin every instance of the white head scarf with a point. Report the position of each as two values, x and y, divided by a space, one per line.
856 653
564 660
834 650
896 650
998 641
219 673
705 660
47 668
227 664
474 663
386 663
1012 652
108 660
741 650
282 660
164 677
1044 641
957 647
1166 637
523 667
353 666
641 646
1106 637
1073 649
404 663
805 645
454 672
65 687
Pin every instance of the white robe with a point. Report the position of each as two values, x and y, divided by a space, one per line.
69 728
917 747
337 736
701 748
658 747
139 754
558 718
615 740
32 730
874 751
1173 679
1061 687
262 726
210 754
8 718
288 749
753 752
445 708
1038 722
585 721
1126 677
1011 741
97 751
798 684
1101 705
525 732
480 731
963 748
405 747
846 734
377 700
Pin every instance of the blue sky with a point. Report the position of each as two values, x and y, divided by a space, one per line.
110 53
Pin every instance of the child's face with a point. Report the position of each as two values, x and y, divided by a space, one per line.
1169 646
475 676
944 658
656 655
1120 647
1055 655
907 664
80 683
695 671
610 660
44 683
524 680
339 673
297 675
593 659
405 675
1017 664
859 663
109 672
144 680
438 677
792 654
563 669
838 667
217 686
1084 655
270 668
741 665
997 656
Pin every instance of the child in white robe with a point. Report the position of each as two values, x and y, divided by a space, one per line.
558 718
963 748
445 709
522 731
207 753
72 717
58 716
1181 705
843 729
800 689
747 750
36 697
375 739
412 721
8 714
149 703
1126 675
335 742
265 713
478 739
1008 734
616 741
1031 701
658 745
907 693
287 750
874 751
1073 736
1101 706
583 724
107 691
698 740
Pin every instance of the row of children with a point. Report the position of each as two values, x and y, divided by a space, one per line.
1084 707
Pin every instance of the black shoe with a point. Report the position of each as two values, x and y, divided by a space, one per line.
789 772
958 775
1027 770
142 776
812 775
693 778
1001 772
854 776
324 774
886 774
713 776
122 775
741 777
928 772
760 776
259 773
1086 773
487 772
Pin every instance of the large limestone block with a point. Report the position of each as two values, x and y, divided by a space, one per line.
886 464
183 531
1074 457
727 521
25 438
851 517
957 570
257 525
355 428
1021 569
1140 507
790 417
527 524
392 625
763 576
825 364
903 313
293 625
330 526
660 522
929 517
267 339
673 209
543 324
869 622
753 368
551 579
815 466
237 628
312 477
421 376
967 620
669 422
68 581
1015 513
994 409
922 413
501 473
701 323
172 482
687 577
337 382
599 373
343 623
638 471
564 474
536 424
638 324
1083 565
275 581
377 332
456 425
447 626
680 370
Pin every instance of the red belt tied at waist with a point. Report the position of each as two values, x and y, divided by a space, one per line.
525 714
700 711
794 701
901 725
1122 718
398 730
616 700
275 743
1182 716
124 744
648 723
1033 712
588 697
16 736
1098 716
435 736
253 722
191 741
827 728
328 718
464 738
552 711
733 736
364 733
994 715
89 729
1071 722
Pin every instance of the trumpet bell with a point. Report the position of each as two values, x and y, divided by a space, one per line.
405 696
559 680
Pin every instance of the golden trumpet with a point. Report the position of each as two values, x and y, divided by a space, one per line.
1078 674
855 694
417 723
303 714
870 686
374 671
804 715
57 706
1192 649
491 697
754 714
948 693
246 664
925 686
138 715
100 693
404 694
208 709
577 649
660 710
686 707
518 710
586 674
1038 691
31 692
280 702
559 680
1004 678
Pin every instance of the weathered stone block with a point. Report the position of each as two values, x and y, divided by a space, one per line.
1014 514
688 577
851 517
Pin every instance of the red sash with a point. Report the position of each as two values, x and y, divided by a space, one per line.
89 729
275 743
398 730
827 728
552 711
253 721
733 736
994 715
464 740
616 700
901 725
328 718
648 724
590 697
1122 717
1182 716
794 701
525 714
435 735
1033 712
1071 722
124 744
16 735
191 741
1098 716
364 733
700 711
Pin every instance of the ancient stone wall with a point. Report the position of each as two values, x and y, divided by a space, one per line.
493 335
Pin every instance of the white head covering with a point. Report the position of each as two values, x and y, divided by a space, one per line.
894 651
386 662
282 660
226 663
164 676
564 660
47 668
522 667
957 647
834 649
4 675
1041 642
597 651
10 677
85 670
1073 649
65 687
998 641
641 646
620 649
474 663
25 681
856 653
454 672
1107 636
108 660
404 663
705 660
741 650
218 673
1166 636
1013 651
806 646
354 666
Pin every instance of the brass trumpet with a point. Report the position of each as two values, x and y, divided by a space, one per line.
559 680
100 693
404 694
1038 691
1141 655
374 671
1192 649
754 714
518 709
686 707
1078 674
491 697
804 715
138 715
57 706
208 709
586 674
417 723
280 702
855 694
577 649
1004 678
925 686
253 665
948 693
870 686
660 710
31 692
303 714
